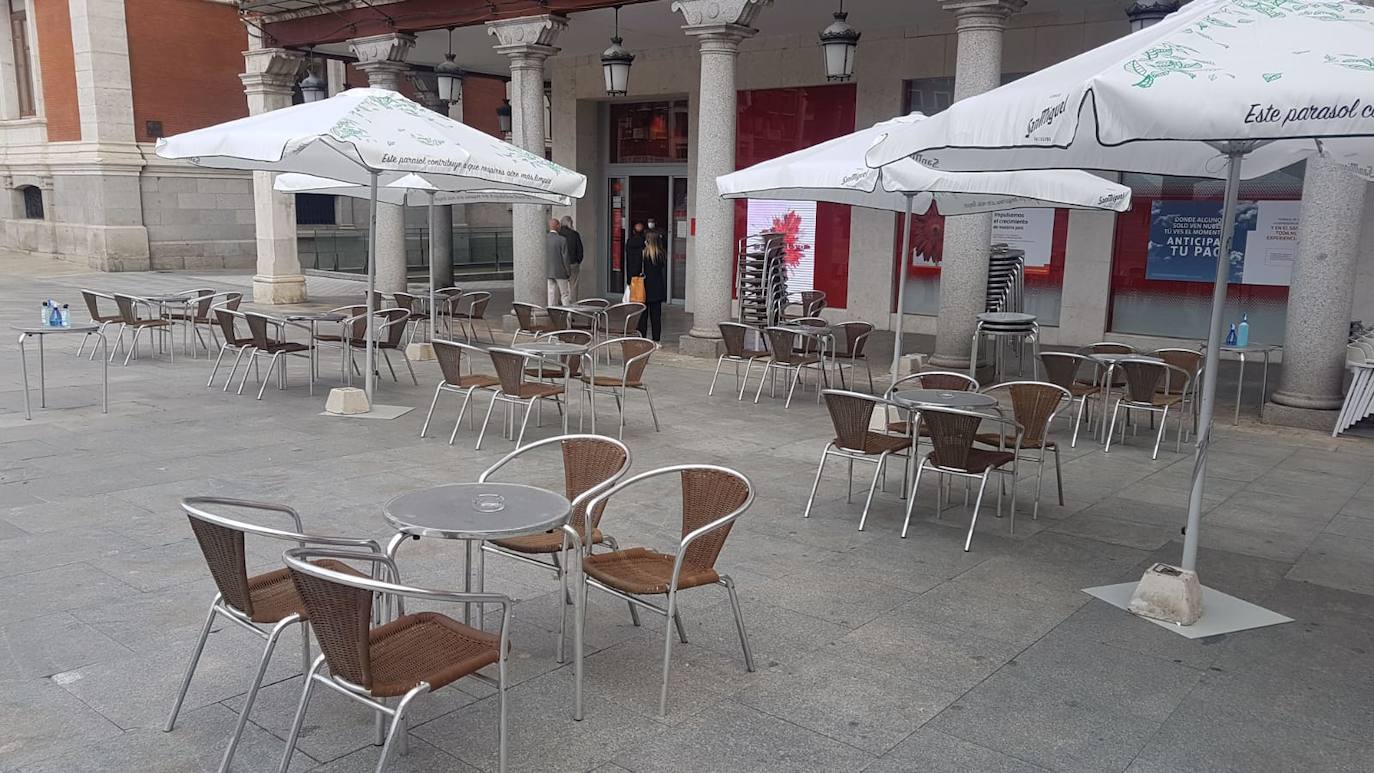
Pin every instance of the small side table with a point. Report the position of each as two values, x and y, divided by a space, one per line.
39 332
1252 349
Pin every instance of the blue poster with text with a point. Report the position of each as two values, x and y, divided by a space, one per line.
1185 239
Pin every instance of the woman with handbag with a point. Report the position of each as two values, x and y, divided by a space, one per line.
634 265
654 270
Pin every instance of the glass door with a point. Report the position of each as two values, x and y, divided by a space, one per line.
677 241
618 217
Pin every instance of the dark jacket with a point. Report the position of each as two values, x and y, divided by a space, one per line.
574 240
656 279
555 256
634 255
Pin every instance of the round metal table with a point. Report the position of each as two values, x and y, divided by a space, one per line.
312 321
1263 350
555 350
942 398
476 512
39 331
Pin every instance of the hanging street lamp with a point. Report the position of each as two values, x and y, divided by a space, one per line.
449 76
616 63
313 87
503 114
838 43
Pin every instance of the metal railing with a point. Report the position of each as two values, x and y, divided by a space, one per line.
344 248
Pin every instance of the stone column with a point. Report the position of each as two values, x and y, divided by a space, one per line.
528 41
1319 299
719 26
267 79
441 239
964 269
382 58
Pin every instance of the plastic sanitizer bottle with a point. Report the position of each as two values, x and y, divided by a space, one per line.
1243 331
1231 336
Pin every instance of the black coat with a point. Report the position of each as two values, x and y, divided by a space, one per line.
634 255
574 240
656 279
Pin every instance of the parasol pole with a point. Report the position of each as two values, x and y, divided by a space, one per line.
371 358
901 287
433 268
1235 153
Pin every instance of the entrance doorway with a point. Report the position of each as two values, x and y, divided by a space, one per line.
657 201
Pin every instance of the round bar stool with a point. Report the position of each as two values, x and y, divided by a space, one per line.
1000 325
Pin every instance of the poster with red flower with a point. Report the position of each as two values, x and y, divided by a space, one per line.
796 221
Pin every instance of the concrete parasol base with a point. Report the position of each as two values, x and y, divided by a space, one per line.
420 352
1168 593
346 401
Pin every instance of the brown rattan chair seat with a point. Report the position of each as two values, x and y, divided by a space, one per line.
99 318
328 337
608 381
991 439
479 380
877 443
545 372
274 596
547 542
797 361
426 647
150 322
286 347
980 460
1159 400
752 354
182 316
643 572
530 391
1078 389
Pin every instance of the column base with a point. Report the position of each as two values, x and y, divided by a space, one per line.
1302 418
277 290
698 346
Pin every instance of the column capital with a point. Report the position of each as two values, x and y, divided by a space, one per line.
710 14
391 47
1143 13
982 14
270 69
528 37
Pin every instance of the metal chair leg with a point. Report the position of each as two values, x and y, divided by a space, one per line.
911 499
816 484
296 723
425 427
1110 427
271 365
519 440
485 422
712 390
1058 476
398 734
667 656
191 667
466 399
1159 435
254 686
677 623
882 462
739 623
977 503
652 413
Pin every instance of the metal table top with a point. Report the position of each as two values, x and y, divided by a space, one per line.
172 298
321 317
1248 348
943 398
477 511
38 330
1112 358
551 348
581 308
1006 318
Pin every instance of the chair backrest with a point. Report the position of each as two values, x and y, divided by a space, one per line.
812 301
450 293
510 368
128 308
948 380
221 540
600 303
227 319
1187 360
559 318
787 345
410 303
951 434
852 338
340 616
259 329
525 314
1143 378
1061 368
851 412
354 327
622 317
1034 405
571 336
635 353
92 299
391 324
205 298
226 300
591 464
1108 347
732 335
450 357
477 303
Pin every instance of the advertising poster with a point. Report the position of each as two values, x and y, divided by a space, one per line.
1029 230
796 221
1185 240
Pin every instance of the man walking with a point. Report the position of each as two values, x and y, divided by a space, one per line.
574 240
556 266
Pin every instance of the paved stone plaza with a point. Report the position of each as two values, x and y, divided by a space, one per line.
875 653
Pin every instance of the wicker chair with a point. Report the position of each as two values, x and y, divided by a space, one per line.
850 339
390 329
622 319
591 464
1034 405
851 412
634 358
352 326
1062 369
1148 388
1108 347
808 303
450 357
510 365
264 604
526 317
193 313
233 341
131 319
475 312
600 303
790 356
400 659
712 498
947 380
446 300
952 433
98 317
414 304
269 340
569 365
1189 361
735 337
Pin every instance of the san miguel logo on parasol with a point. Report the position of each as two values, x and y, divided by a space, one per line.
1259 113
1047 116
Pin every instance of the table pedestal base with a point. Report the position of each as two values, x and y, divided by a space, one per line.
346 401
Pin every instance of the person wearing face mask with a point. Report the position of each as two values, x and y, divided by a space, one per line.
634 255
